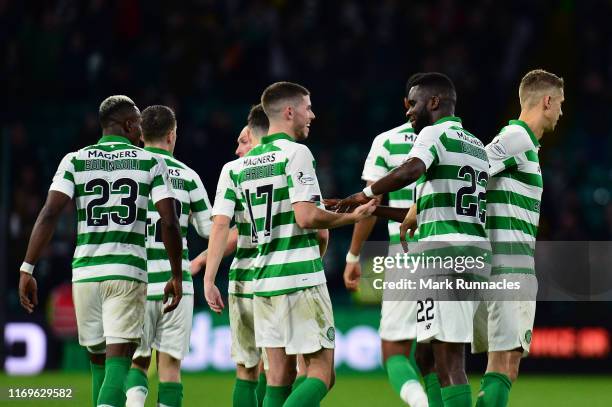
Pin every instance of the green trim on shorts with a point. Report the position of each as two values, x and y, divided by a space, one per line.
281 292
241 295
160 297
106 278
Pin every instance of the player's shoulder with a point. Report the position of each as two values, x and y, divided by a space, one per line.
389 135
233 166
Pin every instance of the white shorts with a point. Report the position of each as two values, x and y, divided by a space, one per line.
244 351
398 320
111 308
301 322
445 321
168 333
503 325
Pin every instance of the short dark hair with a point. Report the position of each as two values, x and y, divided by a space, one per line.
157 122
437 84
258 120
280 92
411 80
535 83
112 105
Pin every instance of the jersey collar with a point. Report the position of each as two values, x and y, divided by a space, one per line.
524 125
448 119
159 151
110 138
276 136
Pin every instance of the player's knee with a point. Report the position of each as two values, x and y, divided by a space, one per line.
141 363
97 353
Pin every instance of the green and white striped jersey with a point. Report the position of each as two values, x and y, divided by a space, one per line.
451 195
228 203
514 194
389 150
274 175
192 206
111 182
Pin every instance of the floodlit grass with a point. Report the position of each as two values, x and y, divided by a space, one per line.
351 390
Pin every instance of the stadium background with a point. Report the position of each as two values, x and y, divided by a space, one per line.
211 59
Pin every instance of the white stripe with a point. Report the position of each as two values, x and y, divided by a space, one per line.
158 288
289 256
105 249
240 287
287 282
104 270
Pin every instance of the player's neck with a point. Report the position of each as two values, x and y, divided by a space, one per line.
534 121
161 146
115 131
276 128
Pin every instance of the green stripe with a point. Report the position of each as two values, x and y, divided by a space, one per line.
111 148
164 276
241 274
198 206
509 162
513 198
283 218
459 146
190 185
246 253
157 181
162 254
442 200
278 195
68 176
402 194
524 177
126 259
508 223
381 162
230 195
172 163
141 165
444 172
280 292
242 295
288 269
393 148
287 243
137 239
443 227
532 156
262 171
107 278
511 270
524 125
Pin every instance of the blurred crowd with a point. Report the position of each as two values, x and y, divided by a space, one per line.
211 59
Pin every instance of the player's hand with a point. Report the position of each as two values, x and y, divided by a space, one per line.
409 224
213 297
352 275
363 211
28 291
352 201
174 289
197 264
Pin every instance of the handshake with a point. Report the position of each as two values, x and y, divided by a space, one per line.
363 206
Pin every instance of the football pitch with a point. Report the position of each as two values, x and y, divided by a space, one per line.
351 390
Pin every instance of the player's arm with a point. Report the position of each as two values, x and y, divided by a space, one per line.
39 239
422 155
200 208
61 192
162 196
199 262
216 246
308 216
173 242
387 212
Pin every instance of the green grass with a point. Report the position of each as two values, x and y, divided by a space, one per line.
351 390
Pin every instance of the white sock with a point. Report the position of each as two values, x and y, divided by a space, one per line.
413 394
136 396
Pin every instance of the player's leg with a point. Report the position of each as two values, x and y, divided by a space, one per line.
313 336
423 355
170 392
402 373
171 341
301 372
88 310
280 376
450 365
137 382
244 352
123 309
397 331
510 324
260 391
